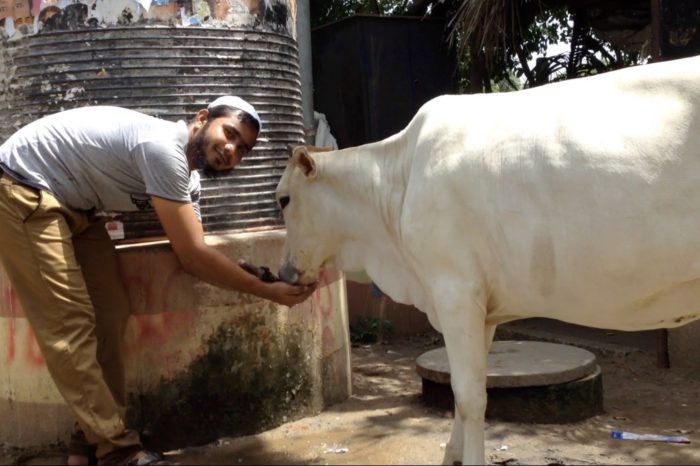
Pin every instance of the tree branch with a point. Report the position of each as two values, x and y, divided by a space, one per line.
523 62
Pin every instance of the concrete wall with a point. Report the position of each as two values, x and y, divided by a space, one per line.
201 362
363 305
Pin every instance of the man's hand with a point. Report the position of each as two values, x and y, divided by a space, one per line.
279 292
197 258
289 295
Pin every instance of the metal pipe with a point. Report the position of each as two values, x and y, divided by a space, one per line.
306 69
656 33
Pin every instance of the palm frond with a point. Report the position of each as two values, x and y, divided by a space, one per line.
487 24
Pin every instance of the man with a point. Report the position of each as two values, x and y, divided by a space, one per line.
59 172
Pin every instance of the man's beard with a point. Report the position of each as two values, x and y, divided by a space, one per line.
200 158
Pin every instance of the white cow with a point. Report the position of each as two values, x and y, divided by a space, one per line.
578 201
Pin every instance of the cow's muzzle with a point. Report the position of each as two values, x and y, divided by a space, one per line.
289 274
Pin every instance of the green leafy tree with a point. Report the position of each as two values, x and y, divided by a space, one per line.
506 38
528 57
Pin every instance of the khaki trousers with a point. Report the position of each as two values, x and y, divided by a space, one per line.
63 267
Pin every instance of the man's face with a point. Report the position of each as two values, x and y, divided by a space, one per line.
222 143
6 8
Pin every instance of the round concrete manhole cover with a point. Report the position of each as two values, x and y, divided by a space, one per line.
528 381
518 364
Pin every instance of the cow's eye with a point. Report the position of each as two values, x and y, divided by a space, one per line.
284 200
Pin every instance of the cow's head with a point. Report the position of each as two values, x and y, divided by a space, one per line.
300 194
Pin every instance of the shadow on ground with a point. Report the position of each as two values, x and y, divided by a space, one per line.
386 422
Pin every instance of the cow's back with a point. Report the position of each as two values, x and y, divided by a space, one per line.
578 200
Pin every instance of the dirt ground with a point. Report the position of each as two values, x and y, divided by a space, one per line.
385 421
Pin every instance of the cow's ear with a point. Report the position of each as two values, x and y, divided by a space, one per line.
303 160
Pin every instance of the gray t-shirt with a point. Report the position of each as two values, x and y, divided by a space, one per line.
109 159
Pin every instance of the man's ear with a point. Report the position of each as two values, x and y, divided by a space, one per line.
301 158
201 116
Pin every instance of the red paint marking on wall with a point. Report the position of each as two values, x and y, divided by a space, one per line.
32 353
9 301
154 327
155 330
154 291
11 347
324 306
167 289
161 298
322 302
9 306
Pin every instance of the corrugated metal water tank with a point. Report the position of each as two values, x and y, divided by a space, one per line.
170 72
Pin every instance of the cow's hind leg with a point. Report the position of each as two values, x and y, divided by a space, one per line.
461 311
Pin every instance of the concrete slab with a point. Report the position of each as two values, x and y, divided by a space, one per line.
518 364
528 381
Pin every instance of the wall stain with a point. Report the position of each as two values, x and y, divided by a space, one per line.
277 16
247 380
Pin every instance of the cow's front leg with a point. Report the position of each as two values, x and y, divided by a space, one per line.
462 311
455 447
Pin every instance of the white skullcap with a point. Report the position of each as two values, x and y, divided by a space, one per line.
236 102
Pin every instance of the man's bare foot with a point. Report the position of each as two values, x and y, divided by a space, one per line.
148 458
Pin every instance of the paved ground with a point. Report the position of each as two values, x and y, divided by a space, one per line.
385 421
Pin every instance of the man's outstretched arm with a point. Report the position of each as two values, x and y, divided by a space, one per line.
206 263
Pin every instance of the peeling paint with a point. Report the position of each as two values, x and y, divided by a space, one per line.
20 18
62 68
73 92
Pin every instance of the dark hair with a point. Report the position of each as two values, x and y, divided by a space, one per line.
226 111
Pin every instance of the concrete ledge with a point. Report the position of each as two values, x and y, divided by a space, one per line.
201 362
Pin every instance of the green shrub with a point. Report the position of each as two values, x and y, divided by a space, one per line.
369 330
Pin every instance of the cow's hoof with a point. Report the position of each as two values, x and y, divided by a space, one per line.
450 461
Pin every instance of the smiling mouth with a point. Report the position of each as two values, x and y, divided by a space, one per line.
221 159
